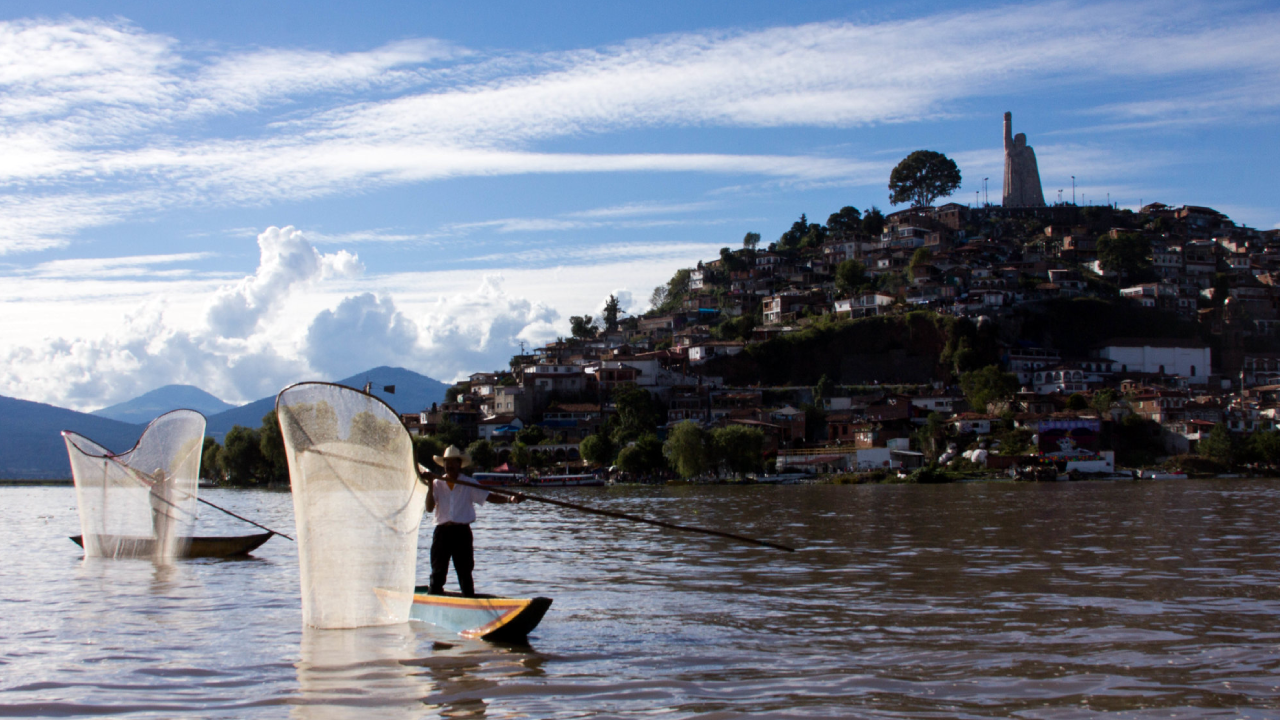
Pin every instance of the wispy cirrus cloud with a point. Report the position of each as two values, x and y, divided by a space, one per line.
99 107
128 266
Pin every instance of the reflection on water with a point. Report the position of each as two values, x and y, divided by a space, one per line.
1143 600
358 673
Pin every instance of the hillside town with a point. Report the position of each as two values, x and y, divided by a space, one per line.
982 336
1196 271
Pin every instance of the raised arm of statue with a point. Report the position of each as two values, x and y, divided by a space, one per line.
1008 130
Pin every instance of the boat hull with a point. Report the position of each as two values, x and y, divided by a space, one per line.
486 617
195 547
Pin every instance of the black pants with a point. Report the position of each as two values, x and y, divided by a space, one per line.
452 542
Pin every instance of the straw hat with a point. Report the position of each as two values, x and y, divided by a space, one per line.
452 453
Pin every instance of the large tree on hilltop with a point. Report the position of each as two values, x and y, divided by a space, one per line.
846 223
923 176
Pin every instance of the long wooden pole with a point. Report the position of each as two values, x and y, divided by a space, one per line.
264 527
621 516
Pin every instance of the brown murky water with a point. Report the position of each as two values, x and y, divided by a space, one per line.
1135 600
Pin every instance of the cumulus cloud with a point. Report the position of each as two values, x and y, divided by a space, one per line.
482 329
142 355
240 353
287 260
364 331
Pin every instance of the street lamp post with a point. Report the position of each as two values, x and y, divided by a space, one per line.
1073 189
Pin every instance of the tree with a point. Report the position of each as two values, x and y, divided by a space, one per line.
824 389
637 411
923 176
596 449
1266 447
846 223
482 454
1077 402
815 236
531 435
686 449
850 276
791 238
583 326
426 448
873 222
927 436
450 433
665 299
610 313
730 261
1102 401
985 386
1128 254
919 258
751 240
521 455
210 467
275 463
739 447
1219 446
642 457
241 457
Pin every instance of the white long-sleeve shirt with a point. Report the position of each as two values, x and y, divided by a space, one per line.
459 504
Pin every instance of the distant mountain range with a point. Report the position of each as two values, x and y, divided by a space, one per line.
145 408
31 444
413 393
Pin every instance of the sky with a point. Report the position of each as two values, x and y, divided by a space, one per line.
240 195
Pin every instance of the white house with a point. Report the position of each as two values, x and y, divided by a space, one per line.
704 351
1185 358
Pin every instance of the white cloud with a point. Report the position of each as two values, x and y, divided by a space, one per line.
287 260
86 98
255 347
244 82
469 331
131 266
363 332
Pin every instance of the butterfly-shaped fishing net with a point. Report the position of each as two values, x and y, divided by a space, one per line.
357 503
139 503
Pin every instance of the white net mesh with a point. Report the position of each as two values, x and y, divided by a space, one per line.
357 503
140 503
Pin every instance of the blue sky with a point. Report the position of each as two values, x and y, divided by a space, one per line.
240 195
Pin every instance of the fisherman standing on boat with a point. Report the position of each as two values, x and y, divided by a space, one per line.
454 508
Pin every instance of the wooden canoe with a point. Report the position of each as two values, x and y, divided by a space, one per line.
198 547
496 619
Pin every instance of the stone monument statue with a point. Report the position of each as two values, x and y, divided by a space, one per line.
1021 175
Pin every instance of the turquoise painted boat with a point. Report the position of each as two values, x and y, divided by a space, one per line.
496 619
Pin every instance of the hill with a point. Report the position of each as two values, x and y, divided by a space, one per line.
31 445
413 393
145 408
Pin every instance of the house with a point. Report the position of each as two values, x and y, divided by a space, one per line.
705 350
1160 405
556 378
500 428
1188 359
784 306
790 422
972 423
571 422
863 305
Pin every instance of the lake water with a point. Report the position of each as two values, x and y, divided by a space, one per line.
1134 600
